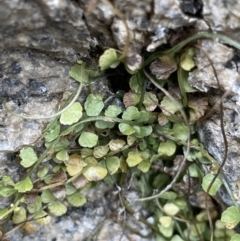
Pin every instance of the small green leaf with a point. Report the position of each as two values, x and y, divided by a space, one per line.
104 124
194 170
6 191
150 101
34 207
42 218
169 195
76 73
126 129
176 238
93 105
88 139
62 155
72 115
207 181
108 59
112 164
169 107
61 144
6 180
76 200
42 172
70 189
57 208
91 161
235 237
187 87
231 217
186 60
113 111
197 228
133 158
86 152
167 148
144 166
28 157
131 113
19 215
166 232
180 131
95 173
142 131
100 151
165 221
53 132
24 185
145 116
136 83
131 140
3 213
171 209
47 196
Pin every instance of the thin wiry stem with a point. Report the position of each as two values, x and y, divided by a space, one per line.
168 187
225 144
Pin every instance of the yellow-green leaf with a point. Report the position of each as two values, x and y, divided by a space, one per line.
88 139
24 185
167 148
231 217
207 181
112 164
144 166
133 158
100 151
171 209
186 60
57 208
19 215
42 218
72 115
76 199
34 207
95 173
108 59
74 164
28 157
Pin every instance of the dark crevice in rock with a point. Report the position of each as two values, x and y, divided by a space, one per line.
118 78
192 8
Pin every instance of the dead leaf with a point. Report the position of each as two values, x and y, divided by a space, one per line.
59 191
163 67
198 105
59 176
28 228
80 182
131 99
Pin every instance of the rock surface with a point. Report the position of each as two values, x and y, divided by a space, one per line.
40 40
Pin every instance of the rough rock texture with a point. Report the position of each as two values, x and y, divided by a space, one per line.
40 40
97 220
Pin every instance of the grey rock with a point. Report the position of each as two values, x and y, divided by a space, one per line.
39 42
210 132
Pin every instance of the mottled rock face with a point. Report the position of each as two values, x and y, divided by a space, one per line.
40 40
224 60
54 27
